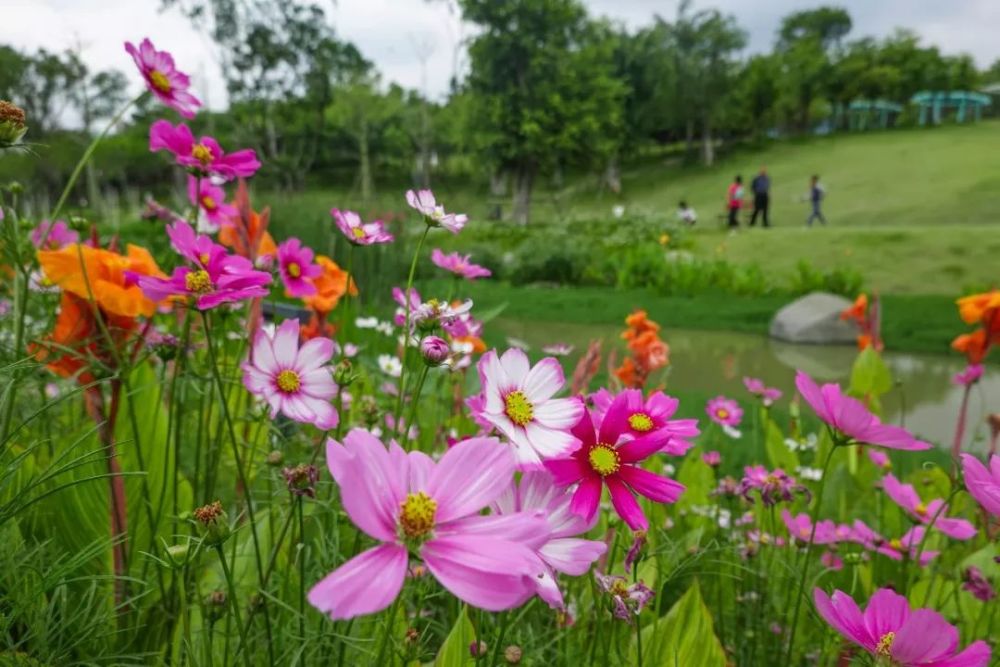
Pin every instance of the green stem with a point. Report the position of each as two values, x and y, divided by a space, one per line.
800 590
388 630
501 632
406 326
234 603
241 472
414 400
82 163
302 572
344 307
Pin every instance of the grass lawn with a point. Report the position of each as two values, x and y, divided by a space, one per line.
911 323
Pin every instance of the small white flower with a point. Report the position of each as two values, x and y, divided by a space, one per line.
669 470
618 210
811 474
366 322
384 328
390 365
732 431
518 343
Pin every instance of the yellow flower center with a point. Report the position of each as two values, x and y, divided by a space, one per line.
159 81
518 408
920 509
204 257
288 381
416 514
722 413
294 270
208 203
198 282
604 460
641 422
896 544
201 153
619 588
358 232
884 646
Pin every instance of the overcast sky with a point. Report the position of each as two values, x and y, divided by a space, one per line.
418 43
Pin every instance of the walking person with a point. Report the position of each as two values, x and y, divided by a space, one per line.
734 201
816 194
761 186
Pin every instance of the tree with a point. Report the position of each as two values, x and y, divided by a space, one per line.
544 92
827 25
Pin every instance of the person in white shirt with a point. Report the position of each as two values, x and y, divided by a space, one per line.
686 214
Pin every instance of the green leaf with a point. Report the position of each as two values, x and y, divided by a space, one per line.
778 452
455 649
685 636
869 375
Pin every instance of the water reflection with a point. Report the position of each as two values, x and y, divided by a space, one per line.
715 362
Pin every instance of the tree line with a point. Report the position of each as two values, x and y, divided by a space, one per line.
549 90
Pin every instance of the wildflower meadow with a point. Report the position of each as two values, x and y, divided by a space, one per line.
225 447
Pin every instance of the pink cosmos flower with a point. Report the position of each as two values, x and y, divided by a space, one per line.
211 202
55 235
360 233
983 484
399 318
649 420
773 486
907 498
724 411
217 277
459 265
756 386
889 630
852 419
204 156
293 380
879 458
607 456
562 551
162 77
975 583
970 375
412 505
908 545
519 403
434 214
627 600
831 560
827 532
712 458
558 349
295 263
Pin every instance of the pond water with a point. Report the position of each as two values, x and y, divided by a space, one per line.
705 363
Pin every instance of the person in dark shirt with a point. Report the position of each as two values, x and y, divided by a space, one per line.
816 194
761 186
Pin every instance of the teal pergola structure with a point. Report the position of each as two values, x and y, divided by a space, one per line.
866 114
935 104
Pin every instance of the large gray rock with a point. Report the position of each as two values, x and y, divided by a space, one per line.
814 318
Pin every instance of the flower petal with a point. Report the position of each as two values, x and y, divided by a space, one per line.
625 504
544 380
366 584
469 477
486 572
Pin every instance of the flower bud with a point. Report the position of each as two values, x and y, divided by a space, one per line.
12 124
343 373
434 350
177 554
213 522
369 410
512 654
275 458
215 605
478 649
301 479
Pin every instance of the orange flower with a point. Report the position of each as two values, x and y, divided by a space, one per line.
627 373
331 285
317 327
638 323
248 235
858 310
477 343
978 307
973 345
101 275
649 351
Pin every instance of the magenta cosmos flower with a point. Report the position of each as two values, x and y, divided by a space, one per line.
561 551
608 456
292 380
908 545
970 375
906 497
415 507
162 77
357 232
852 419
756 386
773 486
204 156
983 484
53 235
211 202
724 411
295 263
649 420
459 265
434 214
889 630
216 277
800 528
518 401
